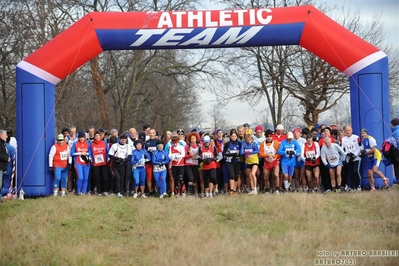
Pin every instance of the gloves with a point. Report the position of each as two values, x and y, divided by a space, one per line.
247 153
142 161
308 159
351 156
290 154
51 169
207 161
85 158
313 160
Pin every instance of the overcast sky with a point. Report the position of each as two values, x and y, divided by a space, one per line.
237 113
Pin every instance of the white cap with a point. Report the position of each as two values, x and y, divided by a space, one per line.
290 135
207 139
280 127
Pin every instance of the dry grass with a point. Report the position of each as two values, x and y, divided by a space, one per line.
238 230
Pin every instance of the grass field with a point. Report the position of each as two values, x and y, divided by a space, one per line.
286 229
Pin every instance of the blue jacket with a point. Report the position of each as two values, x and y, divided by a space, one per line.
160 157
139 154
246 146
285 146
395 132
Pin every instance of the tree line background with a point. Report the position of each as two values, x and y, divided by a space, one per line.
121 89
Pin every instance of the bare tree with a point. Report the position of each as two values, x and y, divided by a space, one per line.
217 117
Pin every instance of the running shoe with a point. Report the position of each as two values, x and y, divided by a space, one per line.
135 195
143 196
277 192
119 195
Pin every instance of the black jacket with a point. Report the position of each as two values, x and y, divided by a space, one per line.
3 155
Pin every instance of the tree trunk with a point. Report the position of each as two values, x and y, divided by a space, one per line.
98 88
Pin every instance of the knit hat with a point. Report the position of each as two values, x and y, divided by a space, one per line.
123 136
82 134
364 130
395 121
296 130
60 137
280 127
258 128
317 126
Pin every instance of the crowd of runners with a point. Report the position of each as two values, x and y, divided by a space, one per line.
244 160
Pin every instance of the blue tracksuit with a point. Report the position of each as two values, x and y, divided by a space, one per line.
138 163
159 160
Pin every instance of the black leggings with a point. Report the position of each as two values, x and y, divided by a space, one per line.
100 174
233 168
209 176
353 174
191 173
119 171
178 176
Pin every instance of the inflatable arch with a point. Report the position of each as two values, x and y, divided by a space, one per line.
37 75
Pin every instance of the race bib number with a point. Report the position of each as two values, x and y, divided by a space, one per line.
151 149
206 155
310 154
64 155
140 163
99 158
289 149
333 159
158 168
234 152
350 147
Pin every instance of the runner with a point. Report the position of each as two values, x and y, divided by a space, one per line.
268 151
310 153
373 158
299 169
100 150
120 153
81 155
139 157
288 149
176 155
352 145
333 156
258 139
58 164
231 152
249 149
159 160
191 161
208 155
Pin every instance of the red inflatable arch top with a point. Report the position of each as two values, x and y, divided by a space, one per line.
37 75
